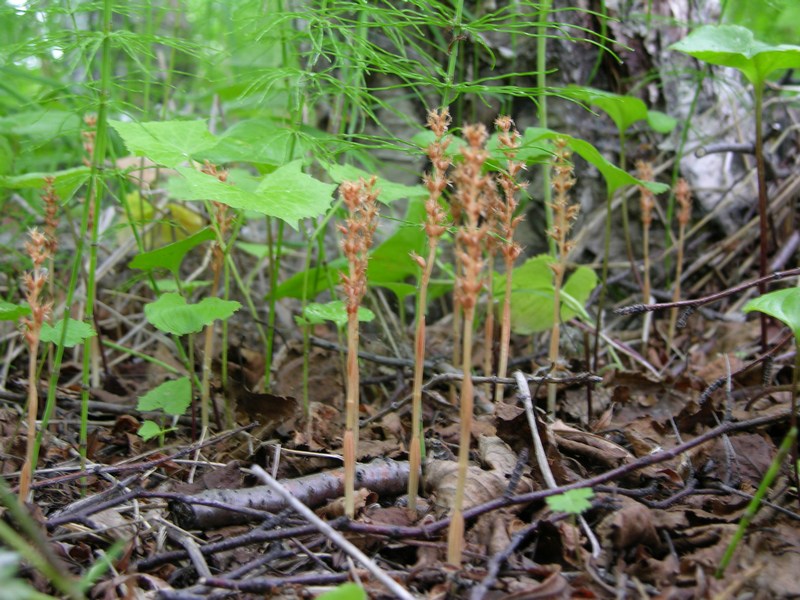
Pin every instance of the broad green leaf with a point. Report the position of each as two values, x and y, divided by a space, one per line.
287 193
533 294
261 251
169 143
388 263
735 46
77 332
6 156
11 312
573 502
41 125
623 110
169 257
65 183
149 430
389 191
315 314
783 305
173 397
346 591
292 195
187 287
257 141
661 122
171 313
614 176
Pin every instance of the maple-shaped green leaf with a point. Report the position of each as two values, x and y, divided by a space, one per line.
573 502
783 305
77 332
736 46
168 143
315 314
533 294
258 141
170 256
11 312
173 397
388 191
171 314
287 193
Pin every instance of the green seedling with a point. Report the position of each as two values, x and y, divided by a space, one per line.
736 47
573 502
77 332
171 397
783 305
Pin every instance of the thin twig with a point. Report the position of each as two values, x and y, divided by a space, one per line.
333 535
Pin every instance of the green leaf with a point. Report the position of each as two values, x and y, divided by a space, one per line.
6 156
170 256
171 314
65 183
187 287
11 312
287 193
173 397
149 430
41 125
346 591
169 143
614 176
388 191
783 305
315 314
533 294
77 332
388 263
735 46
573 502
661 122
258 141
623 110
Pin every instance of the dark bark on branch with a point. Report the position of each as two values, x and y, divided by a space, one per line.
382 476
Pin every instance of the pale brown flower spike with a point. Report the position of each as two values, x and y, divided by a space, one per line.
471 195
34 282
647 202
507 224
436 182
564 214
683 196
360 198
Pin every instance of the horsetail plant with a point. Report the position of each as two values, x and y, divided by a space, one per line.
436 181
360 198
564 214
509 139
35 282
472 187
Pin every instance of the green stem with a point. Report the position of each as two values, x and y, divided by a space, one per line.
763 216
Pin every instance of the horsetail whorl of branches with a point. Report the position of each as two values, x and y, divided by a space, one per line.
436 182
360 198
471 192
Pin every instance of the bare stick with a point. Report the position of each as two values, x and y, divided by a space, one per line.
333 535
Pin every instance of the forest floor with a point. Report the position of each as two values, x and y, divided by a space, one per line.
673 445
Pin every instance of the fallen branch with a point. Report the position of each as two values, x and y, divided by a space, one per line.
382 476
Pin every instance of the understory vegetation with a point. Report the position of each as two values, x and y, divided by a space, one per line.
404 298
